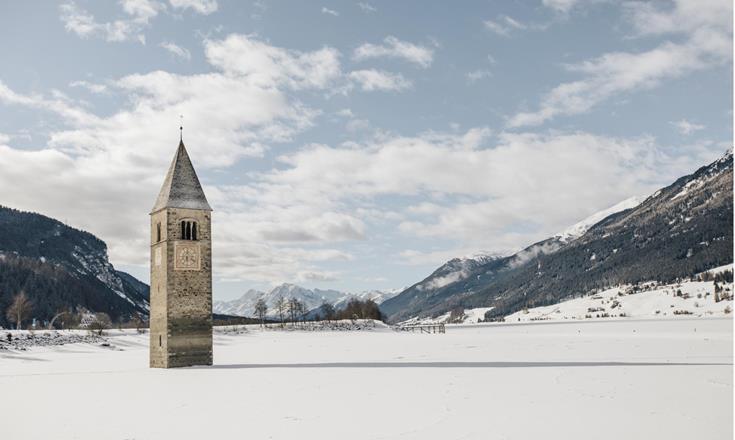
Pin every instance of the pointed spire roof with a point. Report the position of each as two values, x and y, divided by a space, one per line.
181 188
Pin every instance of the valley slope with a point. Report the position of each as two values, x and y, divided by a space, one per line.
679 231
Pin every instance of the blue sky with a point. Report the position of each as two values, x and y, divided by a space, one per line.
356 145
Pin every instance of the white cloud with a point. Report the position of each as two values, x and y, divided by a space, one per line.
176 50
204 7
55 105
259 8
686 128
565 6
477 75
680 16
260 262
321 276
92 87
261 64
139 12
142 10
504 25
395 48
366 7
497 197
345 113
84 24
371 80
115 163
328 11
264 65
357 125
708 43
283 223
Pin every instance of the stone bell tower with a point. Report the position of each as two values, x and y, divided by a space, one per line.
181 270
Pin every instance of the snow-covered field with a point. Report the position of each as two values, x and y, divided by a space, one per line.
633 379
691 298
647 300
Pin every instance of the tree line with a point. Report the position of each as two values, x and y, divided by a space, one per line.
21 309
293 310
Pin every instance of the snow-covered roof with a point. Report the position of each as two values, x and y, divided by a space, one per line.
181 188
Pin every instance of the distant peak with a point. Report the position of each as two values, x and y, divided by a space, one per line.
578 229
484 256
727 156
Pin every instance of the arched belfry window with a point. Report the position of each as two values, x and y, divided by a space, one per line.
188 230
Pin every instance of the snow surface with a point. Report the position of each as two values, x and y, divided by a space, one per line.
659 301
471 316
641 379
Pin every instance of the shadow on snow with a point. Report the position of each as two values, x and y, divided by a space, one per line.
441 364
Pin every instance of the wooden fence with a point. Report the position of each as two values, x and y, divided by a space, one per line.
421 328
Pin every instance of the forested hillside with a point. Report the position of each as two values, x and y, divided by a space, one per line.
60 268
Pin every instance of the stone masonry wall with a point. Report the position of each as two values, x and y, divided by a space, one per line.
188 294
159 300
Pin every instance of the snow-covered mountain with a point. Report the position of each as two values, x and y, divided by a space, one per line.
678 231
578 229
243 306
456 269
60 267
312 298
377 296
694 297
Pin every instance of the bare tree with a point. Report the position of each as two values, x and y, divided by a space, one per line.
261 309
281 306
59 315
100 323
71 320
19 310
297 309
302 310
456 315
139 324
293 309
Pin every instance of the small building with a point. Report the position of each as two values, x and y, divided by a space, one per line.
87 319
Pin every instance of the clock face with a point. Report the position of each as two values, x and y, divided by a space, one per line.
187 257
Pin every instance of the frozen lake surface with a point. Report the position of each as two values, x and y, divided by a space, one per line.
574 380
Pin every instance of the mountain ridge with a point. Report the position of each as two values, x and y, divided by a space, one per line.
312 298
627 246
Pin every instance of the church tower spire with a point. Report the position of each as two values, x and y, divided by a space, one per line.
181 269
181 187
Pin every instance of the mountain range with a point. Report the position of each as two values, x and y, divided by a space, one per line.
682 229
312 298
60 267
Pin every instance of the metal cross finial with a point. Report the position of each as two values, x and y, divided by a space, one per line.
181 128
